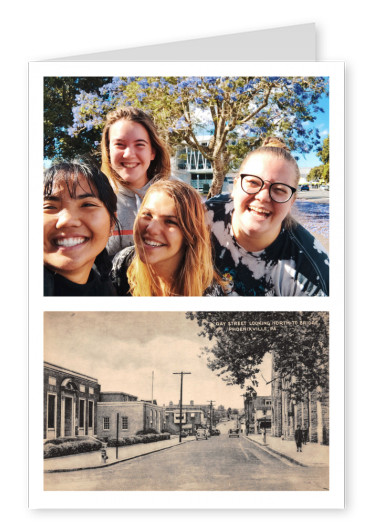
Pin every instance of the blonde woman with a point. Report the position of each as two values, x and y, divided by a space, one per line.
134 156
172 254
259 248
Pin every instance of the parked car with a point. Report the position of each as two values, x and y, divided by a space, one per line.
233 433
215 431
325 187
201 433
184 433
304 187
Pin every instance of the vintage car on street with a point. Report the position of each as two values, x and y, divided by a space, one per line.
201 433
233 432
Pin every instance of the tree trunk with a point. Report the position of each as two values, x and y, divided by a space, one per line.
220 168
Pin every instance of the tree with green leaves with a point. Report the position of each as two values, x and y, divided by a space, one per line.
321 172
59 97
298 341
236 113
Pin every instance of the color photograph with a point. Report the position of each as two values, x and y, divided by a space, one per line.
186 186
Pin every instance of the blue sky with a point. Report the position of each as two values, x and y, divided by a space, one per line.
322 123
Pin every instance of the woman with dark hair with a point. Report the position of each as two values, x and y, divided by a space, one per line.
259 248
134 157
172 254
79 212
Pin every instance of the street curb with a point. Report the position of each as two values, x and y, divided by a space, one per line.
272 451
114 462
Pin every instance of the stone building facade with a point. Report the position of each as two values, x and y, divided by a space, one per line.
70 403
312 414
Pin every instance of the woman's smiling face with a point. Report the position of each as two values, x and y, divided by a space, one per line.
76 230
257 219
158 237
131 152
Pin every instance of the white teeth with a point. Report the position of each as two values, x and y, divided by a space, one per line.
153 244
260 210
129 165
69 242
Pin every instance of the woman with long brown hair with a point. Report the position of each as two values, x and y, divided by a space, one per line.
134 156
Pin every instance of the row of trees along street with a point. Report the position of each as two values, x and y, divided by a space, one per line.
298 341
237 113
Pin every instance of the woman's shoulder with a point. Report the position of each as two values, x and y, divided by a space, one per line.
122 260
217 200
307 241
219 208
312 255
123 257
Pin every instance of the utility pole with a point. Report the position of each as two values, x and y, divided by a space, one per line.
181 400
211 415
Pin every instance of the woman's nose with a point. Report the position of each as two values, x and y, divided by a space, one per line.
128 151
153 227
67 218
263 193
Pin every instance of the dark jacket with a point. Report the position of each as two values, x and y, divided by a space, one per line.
98 285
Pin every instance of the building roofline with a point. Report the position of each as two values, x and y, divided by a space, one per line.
129 403
47 364
118 393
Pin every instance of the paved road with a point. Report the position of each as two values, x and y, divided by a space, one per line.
315 196
220 463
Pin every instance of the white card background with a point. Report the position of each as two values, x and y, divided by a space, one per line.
334 304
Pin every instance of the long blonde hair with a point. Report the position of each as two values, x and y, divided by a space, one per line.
196 272
160 167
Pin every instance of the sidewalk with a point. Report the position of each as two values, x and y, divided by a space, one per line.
312 454
93 459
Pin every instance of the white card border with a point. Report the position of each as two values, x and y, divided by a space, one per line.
334 498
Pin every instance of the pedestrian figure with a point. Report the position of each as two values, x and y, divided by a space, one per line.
298 438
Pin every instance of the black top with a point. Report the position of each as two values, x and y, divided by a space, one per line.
56 285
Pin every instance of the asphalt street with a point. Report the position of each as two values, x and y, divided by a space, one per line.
217 464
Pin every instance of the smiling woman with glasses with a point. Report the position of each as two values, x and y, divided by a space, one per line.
259 248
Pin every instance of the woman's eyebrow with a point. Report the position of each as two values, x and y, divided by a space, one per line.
84 196
51 197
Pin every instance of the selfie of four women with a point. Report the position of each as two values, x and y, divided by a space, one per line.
134 230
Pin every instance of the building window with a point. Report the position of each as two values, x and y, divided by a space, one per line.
91 414
81 420
51 411
124 423
106 423
82 388
52 380
91 391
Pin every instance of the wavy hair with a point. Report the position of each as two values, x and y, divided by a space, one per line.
160 167
196 272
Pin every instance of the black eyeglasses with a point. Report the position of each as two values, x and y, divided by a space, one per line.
279 192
